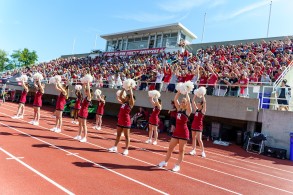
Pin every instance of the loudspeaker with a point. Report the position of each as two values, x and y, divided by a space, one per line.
275 152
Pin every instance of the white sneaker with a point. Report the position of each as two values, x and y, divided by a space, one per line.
77 137
53 116
73 122
83 140
99 128
94 127
53 129
31 122
176 168
14 117
192 152
125 152
163 164
76 122
203 155
149 141
58 130
36 123
113 149
155 143
20 117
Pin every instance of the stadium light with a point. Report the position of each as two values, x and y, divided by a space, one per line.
269 19
203 28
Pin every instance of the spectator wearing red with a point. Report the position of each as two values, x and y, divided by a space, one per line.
212 81
167 77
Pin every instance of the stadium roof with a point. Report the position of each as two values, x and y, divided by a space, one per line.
143 31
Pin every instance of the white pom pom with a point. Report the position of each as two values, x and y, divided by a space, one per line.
52 80
88 78
180 87
38 76
126 85
119 92
78 87
195 92
24 78
201 92
154 94
188 86
98 92
132 83
58 78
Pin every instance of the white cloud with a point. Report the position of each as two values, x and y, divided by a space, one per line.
243 10
147 17
180 5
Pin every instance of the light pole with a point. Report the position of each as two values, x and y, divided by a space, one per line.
269 21
203 28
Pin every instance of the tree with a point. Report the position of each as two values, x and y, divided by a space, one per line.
24 57
3 59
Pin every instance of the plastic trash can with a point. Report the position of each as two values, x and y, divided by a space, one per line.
291 146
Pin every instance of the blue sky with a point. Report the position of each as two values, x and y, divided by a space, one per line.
50 27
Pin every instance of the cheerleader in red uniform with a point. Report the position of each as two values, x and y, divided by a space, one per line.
77 106
181 133
22 101
197 125
154 120
173 114
124 121
83 114
100 111
37 101
61 101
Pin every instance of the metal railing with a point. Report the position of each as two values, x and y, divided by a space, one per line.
281 77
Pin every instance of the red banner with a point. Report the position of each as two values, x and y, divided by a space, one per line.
133 52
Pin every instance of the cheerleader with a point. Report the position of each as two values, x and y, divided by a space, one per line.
61 101
181 133
83 114
100 111
154 120
172 113
197 125
77 106
37 102
22 101
124 121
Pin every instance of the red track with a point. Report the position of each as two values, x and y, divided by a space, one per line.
56 164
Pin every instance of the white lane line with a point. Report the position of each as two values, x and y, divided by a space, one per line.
80 157
37 172
72 154
14 158
285 179
207 151
235 176
194 179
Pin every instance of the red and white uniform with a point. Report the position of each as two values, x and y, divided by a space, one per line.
197 123
38 99
77 105
154 118
83 112
61 101
181 130
23 97
124 116
100 110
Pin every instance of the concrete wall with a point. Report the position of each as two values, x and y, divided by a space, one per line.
226 107
277 125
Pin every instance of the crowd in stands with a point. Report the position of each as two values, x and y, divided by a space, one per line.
233 67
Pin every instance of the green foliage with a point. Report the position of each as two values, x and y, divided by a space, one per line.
24 57
3 59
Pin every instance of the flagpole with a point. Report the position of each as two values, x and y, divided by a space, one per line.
269 19
203 28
